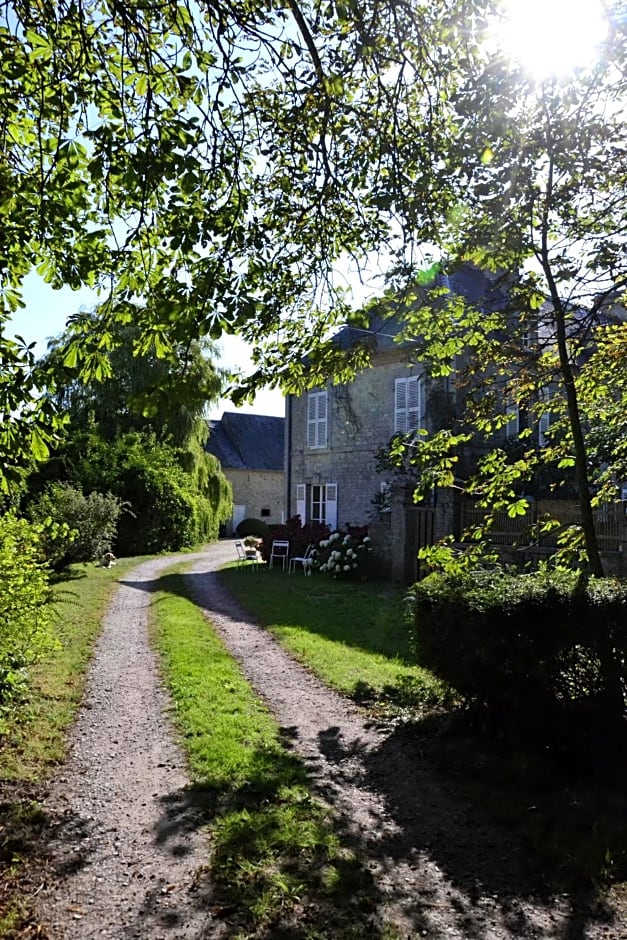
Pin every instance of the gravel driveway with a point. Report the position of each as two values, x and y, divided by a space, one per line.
128 843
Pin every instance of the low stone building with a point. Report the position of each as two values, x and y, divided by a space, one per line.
250 449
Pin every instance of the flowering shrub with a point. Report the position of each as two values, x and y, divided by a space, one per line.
253 542
343 556
299 536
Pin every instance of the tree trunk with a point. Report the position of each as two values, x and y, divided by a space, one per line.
594 565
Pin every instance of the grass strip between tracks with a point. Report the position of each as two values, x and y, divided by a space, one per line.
353 635
277 866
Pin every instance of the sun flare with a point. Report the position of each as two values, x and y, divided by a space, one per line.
552 37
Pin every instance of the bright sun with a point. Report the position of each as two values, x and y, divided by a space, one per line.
552 37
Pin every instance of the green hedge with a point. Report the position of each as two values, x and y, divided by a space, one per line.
252 527
26 608
528 647
171 498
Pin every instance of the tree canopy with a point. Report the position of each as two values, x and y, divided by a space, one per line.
210 167
215 158
137 432
137 390
543 206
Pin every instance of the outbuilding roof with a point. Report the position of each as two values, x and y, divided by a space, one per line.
247 441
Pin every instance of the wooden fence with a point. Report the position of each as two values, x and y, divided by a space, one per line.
609 522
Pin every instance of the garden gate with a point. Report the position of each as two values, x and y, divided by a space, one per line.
420 522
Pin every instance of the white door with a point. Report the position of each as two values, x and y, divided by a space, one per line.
301 502
331 508
239 514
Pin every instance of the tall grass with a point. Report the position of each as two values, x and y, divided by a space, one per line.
34 738
35 735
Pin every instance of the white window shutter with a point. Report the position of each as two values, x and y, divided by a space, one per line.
400 406
301 502
414 397
512 427
317 419
322 419
407 404
311 420
331 500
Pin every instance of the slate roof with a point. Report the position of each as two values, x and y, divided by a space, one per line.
478 287
247 441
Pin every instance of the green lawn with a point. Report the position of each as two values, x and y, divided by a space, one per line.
352 635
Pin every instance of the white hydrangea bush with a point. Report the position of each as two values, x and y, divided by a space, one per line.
343 556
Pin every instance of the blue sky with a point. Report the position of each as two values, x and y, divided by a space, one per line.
47 310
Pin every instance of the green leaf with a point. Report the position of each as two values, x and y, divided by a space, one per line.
70 358
39 446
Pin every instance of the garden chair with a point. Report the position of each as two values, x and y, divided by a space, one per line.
245 557
281 551
305 560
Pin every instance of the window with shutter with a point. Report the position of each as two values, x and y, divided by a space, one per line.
407 404
512 428
323 504
318 506
316 419
400 406
414 402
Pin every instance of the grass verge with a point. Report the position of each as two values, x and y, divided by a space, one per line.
353 636
34 736
277 867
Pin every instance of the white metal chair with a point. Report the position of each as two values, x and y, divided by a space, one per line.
305 560
281 551
244 557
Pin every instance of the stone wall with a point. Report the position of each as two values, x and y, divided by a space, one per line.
391 535
258 490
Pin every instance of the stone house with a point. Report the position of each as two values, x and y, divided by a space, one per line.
250 449
333 433
332 438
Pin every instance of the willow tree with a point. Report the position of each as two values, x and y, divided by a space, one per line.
138 430
165 392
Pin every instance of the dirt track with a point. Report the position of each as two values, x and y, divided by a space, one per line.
128 842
